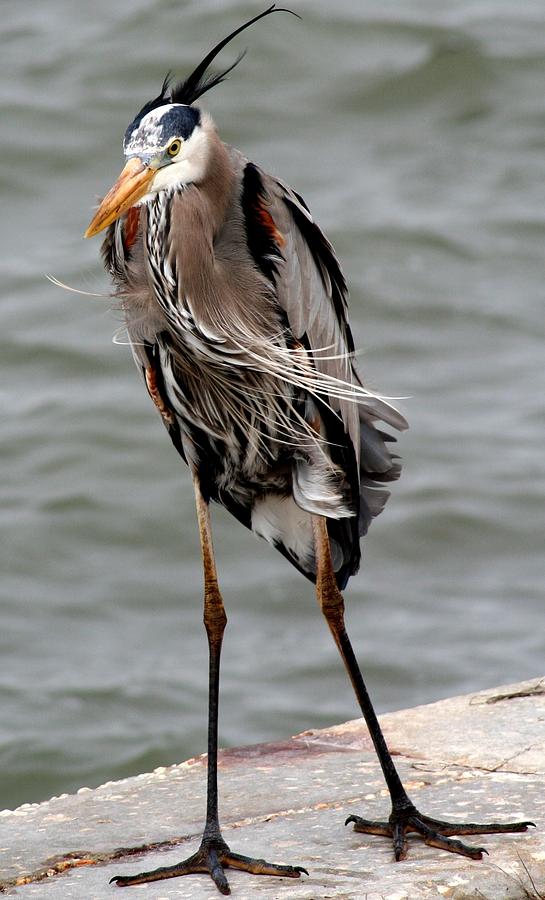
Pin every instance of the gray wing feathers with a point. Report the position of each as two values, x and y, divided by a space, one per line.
305 291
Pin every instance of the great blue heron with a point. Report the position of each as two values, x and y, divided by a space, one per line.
236 309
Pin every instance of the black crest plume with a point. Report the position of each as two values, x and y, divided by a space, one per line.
196 84
160 100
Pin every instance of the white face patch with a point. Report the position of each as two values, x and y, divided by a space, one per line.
189 167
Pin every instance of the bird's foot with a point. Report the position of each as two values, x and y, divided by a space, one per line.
436 833
212 857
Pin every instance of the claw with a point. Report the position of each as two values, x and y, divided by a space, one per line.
371 827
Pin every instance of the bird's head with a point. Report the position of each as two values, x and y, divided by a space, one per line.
166 144
169 142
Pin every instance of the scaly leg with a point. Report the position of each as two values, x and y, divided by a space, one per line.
404 817
213 855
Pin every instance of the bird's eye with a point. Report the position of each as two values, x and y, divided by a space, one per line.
174 148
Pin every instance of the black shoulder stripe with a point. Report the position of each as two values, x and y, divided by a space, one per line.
263 238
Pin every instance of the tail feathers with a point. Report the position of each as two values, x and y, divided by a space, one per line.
374 454
281 521
318 488
377 466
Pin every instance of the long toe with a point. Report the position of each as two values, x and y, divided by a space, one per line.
217 874
435 838
449 828
261 866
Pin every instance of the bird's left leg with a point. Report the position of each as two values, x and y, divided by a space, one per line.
213 855
405 817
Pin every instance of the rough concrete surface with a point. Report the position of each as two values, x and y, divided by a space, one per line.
479 757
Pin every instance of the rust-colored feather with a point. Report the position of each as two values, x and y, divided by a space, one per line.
130 228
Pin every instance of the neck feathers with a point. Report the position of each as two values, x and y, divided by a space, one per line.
197 216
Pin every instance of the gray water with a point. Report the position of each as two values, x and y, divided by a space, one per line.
415 130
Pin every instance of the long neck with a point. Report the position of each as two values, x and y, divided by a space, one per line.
197 214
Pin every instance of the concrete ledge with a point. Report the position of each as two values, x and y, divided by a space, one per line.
477 757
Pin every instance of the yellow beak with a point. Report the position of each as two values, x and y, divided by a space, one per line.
129 187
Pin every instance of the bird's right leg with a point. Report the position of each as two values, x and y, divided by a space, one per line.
404 817
213 855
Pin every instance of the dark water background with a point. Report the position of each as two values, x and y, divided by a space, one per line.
416 132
